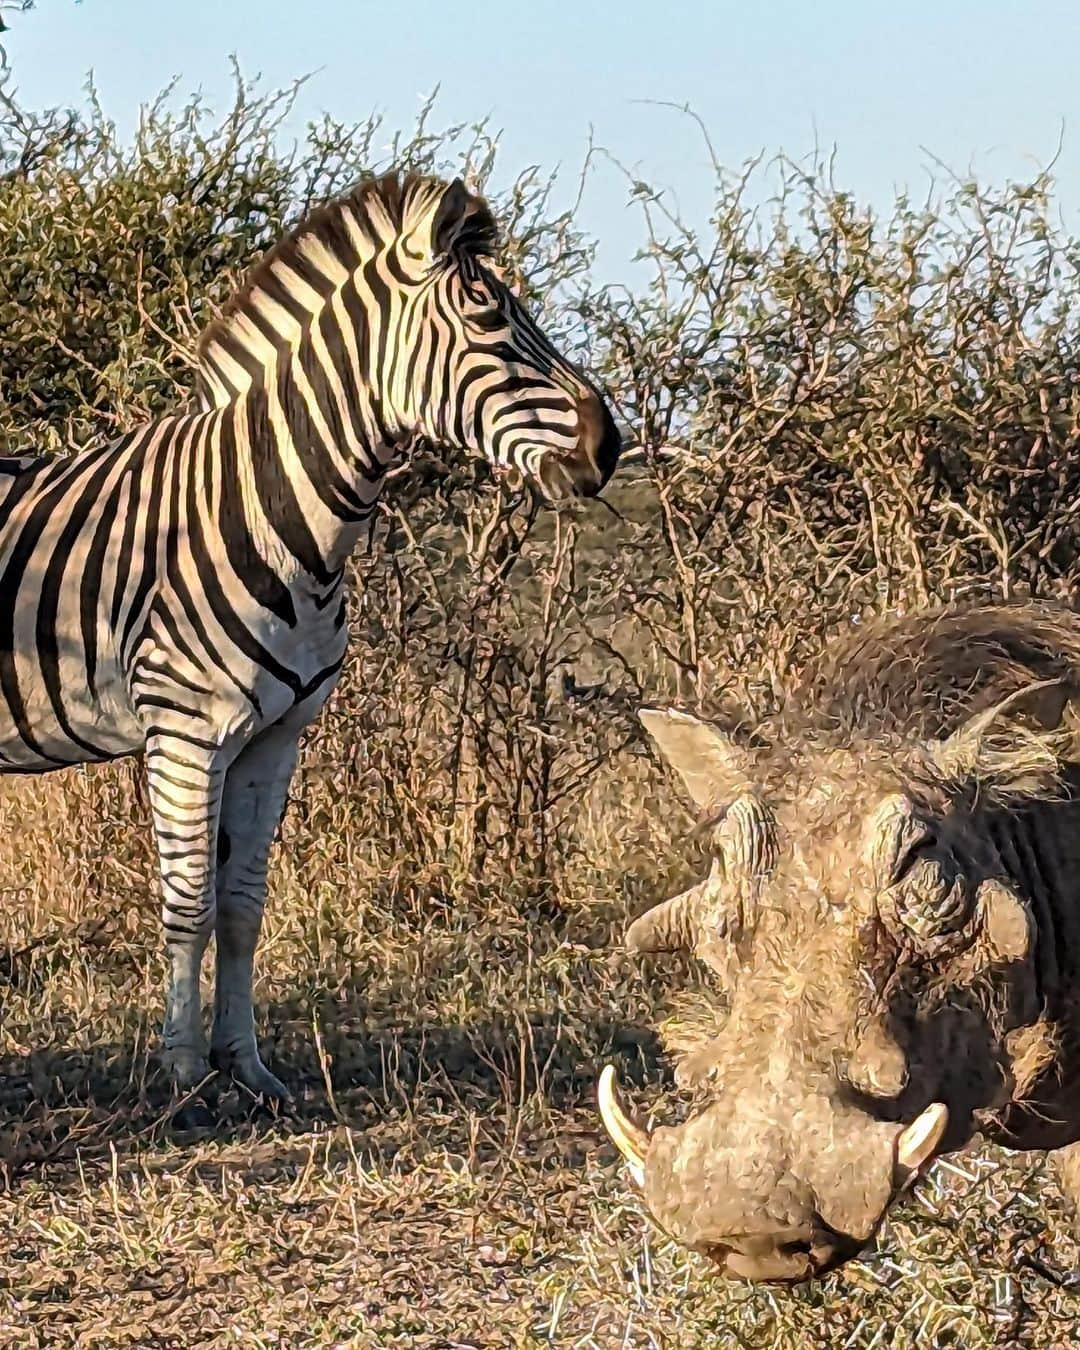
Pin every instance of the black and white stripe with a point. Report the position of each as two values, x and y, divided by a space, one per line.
180 589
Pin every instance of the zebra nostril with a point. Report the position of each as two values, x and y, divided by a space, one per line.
599 442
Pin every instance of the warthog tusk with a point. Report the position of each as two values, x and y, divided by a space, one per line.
919 1140
630 1139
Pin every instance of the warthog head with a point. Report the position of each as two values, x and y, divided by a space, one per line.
885 856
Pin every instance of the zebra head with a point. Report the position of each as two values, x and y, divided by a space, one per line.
379 320
474 370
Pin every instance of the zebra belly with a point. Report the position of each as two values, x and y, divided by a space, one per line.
63 697
123 613
37 735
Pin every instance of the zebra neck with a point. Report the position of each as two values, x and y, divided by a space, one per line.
300 489
314 422
302 356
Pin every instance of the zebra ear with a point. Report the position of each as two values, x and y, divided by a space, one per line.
462 221
450 218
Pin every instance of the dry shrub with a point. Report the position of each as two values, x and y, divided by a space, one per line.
835 414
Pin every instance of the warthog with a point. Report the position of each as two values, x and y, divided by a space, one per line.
893 914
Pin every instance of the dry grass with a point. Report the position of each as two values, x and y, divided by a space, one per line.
442 1180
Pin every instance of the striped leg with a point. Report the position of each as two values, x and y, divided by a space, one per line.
254 797
184 781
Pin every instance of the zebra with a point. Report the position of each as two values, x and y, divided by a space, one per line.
179 591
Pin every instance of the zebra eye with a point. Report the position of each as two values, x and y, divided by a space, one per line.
489 320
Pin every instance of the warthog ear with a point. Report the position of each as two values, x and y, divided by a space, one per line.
1016 746
713 766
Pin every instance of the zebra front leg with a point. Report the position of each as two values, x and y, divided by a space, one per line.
256 788
184 781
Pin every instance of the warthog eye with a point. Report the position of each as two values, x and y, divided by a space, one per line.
930 901
911 850
935 910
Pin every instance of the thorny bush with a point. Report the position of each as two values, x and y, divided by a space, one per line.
834 412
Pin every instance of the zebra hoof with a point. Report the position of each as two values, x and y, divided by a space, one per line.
194 1115
256 1078
189 1071
264 1086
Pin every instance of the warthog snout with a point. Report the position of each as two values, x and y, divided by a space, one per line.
770 1189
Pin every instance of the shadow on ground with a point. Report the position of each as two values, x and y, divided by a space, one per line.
391 1085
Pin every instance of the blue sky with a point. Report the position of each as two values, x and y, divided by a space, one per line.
990 84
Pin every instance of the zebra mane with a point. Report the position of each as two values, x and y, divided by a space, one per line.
326 225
